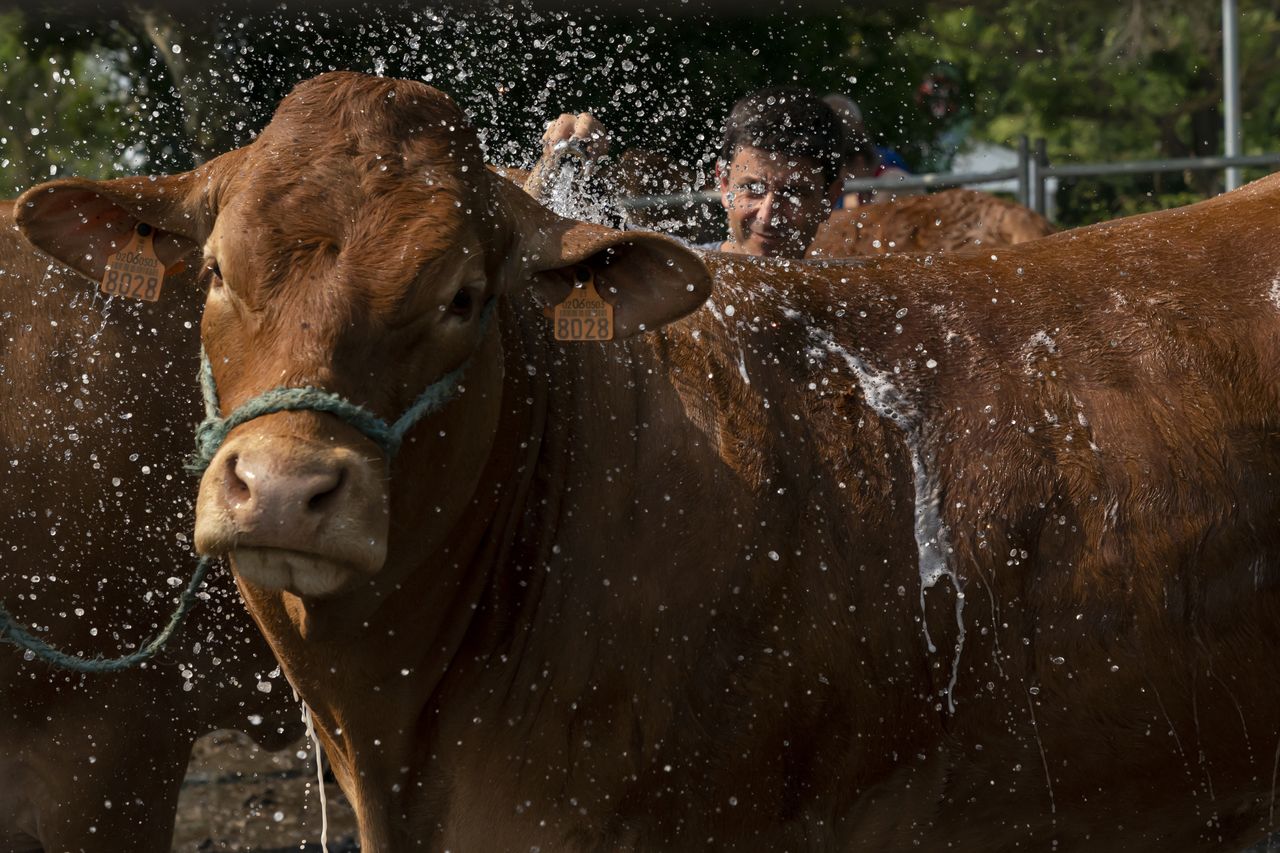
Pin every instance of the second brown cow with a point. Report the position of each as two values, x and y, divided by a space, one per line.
939 222
96 403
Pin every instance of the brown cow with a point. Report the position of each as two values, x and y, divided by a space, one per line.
700 588
95 406
939 222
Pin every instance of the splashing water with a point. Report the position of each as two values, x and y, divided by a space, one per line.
106 318
568 191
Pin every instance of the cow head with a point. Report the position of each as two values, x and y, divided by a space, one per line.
354 247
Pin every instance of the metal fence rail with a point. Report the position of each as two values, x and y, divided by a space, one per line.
1136 167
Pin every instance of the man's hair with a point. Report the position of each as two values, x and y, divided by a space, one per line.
787 120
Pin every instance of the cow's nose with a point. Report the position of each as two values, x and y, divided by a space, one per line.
291 495
264 495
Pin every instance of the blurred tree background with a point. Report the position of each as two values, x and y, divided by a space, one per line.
137 88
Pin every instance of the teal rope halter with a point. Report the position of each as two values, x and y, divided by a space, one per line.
210 435
213 430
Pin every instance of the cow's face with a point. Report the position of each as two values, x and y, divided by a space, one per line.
354 248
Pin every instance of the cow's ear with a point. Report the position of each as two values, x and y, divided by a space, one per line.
650 279
82 222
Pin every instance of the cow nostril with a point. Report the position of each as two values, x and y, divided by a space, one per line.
324 496
237 487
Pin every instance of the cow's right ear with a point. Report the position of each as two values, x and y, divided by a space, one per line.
82 223
649 279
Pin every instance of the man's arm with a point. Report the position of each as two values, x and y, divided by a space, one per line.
580 136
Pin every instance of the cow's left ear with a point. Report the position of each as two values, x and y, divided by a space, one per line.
650 279
82 222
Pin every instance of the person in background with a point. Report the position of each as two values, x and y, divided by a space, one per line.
941 97
863 158
778 170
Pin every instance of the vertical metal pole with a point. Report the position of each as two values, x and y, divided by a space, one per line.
1231 87
1024 171
1039 185
1034 184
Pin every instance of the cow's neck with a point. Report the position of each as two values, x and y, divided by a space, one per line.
657 542
585 431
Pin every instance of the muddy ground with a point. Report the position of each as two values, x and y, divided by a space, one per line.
240 798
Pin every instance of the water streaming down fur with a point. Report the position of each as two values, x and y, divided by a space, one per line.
932 537
324 803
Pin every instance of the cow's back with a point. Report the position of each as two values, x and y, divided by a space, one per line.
1097 410
97 403
938 222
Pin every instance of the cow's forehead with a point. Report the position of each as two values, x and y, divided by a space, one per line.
333 197
357 109
360 166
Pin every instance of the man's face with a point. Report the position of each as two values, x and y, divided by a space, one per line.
775 202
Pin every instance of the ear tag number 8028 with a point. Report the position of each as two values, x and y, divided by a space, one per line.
584 315
135 271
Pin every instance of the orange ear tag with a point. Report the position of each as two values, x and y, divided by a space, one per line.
135 271
584 316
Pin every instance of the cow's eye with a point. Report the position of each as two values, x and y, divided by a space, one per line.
462 302
214 273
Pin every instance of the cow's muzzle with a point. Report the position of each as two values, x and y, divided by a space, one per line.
294 514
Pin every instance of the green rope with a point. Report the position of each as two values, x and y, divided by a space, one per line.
213 430
11 632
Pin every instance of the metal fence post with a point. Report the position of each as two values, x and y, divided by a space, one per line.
1024 171
1040 185
1231 88
1034 184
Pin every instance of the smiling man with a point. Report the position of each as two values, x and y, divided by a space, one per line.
778 169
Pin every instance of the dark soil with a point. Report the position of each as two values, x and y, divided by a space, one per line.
240 798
